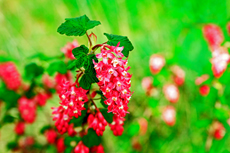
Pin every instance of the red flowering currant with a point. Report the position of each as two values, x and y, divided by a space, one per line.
10 75
67 50
97 149
114 80
169 115
81 148
51 136
27 109
72 99
204 90
60 145
117 125
156 63
213 35
97 122
171 93
19 128
61 119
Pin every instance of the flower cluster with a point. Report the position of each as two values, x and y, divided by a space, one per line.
117 125
81 148
51 136
41 98
169 115
27 109
60 145
97 149
219 130
156 63
72 99
71 131
61 119
59 78
171 93
97 122
179 75
220 55
19 128
67 50
10 75
114 80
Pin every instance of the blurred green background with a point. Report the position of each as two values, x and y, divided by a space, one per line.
170 27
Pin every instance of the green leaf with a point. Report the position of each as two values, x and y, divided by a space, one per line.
11 98
69 140
113 40
108 116
90 74
57 66
77 26
45 128
32 70
80 52
91 139
8 119
12 145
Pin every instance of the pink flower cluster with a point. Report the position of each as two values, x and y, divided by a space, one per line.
51 136
117 125
72 99
97 149
81 148
169 115
220 55
27 109
19 128
10 75
41 98
67 50
114 79
171 93
156 63
97 122
61 119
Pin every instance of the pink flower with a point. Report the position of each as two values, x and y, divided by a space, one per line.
19 128
114 79
213 35
117 125
204 90
219 130
72 99
171 93
169 115
97 149
156 63
201 79
71 131
27 109
51 136
10 75
41 98
97 122
220 61
67 50
179 75
61 119
81 148
60 145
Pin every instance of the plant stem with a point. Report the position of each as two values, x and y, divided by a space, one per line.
90 42
78 76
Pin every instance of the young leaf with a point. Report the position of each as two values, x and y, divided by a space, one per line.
77 26
124 41
108 116
91 139
57 66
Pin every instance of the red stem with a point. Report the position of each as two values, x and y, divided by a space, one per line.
78 76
